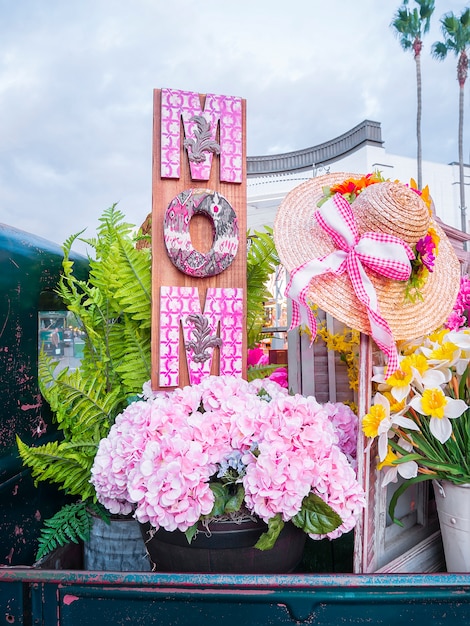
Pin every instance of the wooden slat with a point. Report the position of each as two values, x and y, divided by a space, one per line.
163 270
364 532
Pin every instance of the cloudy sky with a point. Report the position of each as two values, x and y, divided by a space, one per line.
76 82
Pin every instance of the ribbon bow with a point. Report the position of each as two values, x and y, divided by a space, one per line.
385 254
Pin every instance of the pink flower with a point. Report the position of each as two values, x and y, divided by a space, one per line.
336 484
280 376
162 455
256 356
346 424
425 248
459 316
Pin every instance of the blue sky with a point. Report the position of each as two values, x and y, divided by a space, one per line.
76 82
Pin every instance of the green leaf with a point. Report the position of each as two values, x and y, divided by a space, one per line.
191 532
316 517
221 497
269 538
262 260
234 503
393 502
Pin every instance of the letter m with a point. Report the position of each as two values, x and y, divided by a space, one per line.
178 307
186 105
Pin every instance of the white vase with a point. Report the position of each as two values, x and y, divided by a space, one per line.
453 508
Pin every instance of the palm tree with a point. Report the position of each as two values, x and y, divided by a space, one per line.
410 26
456 33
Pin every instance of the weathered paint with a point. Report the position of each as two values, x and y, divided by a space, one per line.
29 266
70 598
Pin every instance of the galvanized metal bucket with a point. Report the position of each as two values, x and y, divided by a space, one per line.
117 546
453 507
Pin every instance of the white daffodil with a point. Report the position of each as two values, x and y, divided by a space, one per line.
442 355
440 408
414 371
379 373
460 338
405 470
379 422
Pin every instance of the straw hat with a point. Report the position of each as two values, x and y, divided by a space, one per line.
384 207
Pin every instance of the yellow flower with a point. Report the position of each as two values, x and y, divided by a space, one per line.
441 410
400 378
409 469
371 421
388 460
415 361
434 236
438 335
424 193
395 405
443 352
434 402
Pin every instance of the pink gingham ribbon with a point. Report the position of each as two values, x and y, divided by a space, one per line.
385 254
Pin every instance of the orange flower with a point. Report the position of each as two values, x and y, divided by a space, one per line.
354 186
424 193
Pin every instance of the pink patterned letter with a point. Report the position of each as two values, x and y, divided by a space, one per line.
186 104
224 306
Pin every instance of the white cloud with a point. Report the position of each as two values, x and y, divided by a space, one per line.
76 83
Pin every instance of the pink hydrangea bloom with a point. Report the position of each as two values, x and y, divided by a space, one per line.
346 424
162 453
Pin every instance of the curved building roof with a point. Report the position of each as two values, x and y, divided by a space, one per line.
367 132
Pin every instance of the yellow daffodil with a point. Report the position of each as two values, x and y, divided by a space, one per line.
395 405
406 470
440 408
438 335
371 421
379 421
442 355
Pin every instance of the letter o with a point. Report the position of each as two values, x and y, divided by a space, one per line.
178 239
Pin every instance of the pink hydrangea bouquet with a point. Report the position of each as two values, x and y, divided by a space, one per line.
228 446
420 415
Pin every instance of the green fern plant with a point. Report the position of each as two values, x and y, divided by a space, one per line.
71 524
113 307
262 260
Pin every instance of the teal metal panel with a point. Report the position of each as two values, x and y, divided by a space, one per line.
29 269
115 599
12 603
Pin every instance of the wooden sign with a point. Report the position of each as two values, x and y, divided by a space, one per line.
198 237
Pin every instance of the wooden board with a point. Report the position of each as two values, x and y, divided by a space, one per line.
164 272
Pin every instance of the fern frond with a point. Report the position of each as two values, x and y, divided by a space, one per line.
81 405
134 366
111 224
133 282
262 260
113 306
261 371
63 463
71 524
